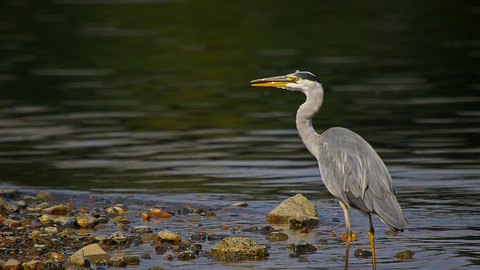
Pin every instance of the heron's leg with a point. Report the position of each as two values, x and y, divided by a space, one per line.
371 234
349 231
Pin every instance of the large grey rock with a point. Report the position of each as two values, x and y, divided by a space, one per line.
296 210
238 249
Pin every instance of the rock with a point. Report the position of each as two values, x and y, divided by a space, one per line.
12 207
11 223
266 230
195 248
297 210
9 193
251 229
184 211
169 237
240 204
32 200
12 264
65 222
208 214
187 255
360 253
51 230
163 248
302 247
117 261
121 220
199 236
54 256
57 210
85 220
145 256
276 236
33 265
118 237
155 268
132 260
216 237
141 229
115 211
404 255
91 252
237 249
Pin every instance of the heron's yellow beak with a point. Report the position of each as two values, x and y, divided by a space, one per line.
280 81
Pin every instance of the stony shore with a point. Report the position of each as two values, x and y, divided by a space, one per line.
39 234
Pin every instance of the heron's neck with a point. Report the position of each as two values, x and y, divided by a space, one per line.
304 120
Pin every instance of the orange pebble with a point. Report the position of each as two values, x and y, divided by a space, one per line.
344 236
224 228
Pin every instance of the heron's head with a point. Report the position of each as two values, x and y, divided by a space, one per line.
299 81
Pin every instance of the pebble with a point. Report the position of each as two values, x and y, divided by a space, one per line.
238 249
276 236
404 255
141 229
360 253
187 255
301 247
169 237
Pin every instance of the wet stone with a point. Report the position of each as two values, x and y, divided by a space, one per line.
238 249
85 220
216 237
187 255
195 248
33 265
251 229
208 214
102 220
240 204
12 264
141 229
404 255
169 237
68 222
199 236
117 261
297 210
118 237
51 230
132 260
163 248
145 256
9 194
276 236
184 211
301 247
266 230
360 253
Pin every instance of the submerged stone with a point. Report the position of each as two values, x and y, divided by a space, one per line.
276 236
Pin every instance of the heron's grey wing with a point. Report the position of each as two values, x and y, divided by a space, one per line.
354 173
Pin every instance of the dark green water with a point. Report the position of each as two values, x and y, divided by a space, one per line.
152 97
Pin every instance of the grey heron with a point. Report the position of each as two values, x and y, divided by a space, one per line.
350 168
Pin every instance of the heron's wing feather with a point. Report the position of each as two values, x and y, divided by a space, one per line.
355 174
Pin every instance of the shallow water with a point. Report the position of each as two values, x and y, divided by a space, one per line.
151 100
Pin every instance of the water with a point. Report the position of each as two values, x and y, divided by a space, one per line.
151 100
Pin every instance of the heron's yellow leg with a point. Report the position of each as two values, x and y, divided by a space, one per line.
349 231
371 234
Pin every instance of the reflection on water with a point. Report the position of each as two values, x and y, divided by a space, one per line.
150 98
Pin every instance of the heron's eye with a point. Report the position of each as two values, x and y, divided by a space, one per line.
294 79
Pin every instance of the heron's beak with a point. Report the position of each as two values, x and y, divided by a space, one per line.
280 81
